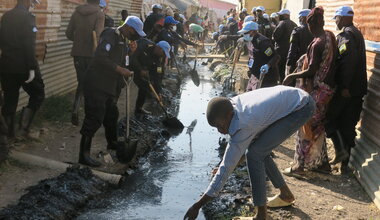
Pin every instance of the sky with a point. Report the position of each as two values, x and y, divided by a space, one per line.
236 2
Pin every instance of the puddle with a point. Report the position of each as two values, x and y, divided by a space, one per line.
172 177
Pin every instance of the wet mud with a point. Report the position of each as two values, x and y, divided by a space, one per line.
57 198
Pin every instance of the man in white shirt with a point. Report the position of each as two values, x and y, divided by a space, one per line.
257 122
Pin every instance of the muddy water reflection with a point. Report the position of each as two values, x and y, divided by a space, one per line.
172 177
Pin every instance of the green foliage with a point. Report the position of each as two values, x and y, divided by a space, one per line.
55 109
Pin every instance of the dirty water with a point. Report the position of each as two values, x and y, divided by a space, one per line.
173 176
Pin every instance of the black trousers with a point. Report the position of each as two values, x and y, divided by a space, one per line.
144 88
100 109
11 84
282 64
342 115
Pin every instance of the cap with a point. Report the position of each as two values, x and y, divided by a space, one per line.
103 3
284 12
266 16
244 10
253 9
165 46
195 28
249 18
344 11
214 34
274 15
304 13
260 8
221 27
156 6
136 24
170 20
249 26
230 19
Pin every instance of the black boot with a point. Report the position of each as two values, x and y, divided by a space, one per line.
26 119
10 122
84 153
340 151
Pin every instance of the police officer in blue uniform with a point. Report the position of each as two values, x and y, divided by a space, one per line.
102 85
18 65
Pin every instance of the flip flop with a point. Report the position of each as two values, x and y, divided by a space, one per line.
289 172
277 202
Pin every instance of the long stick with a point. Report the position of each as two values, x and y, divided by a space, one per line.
236 56
95 40
127 107
158 99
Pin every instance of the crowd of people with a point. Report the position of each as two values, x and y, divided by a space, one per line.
104 52
329 73
332 69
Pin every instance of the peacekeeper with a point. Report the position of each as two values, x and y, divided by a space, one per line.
148 62
264 57
300 39
281 36
351 79
18 65
170 35
102 81
264 24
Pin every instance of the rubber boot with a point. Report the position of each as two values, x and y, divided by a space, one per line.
26 119
84 153
340 151
74 114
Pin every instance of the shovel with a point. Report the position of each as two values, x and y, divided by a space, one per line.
126 147
260 80
169 121
236 56
193 73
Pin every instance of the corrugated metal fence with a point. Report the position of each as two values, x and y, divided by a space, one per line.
53 48
365 156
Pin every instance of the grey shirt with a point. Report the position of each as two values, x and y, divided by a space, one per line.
253 112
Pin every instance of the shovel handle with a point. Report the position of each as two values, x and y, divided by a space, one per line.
127 92
158 98
95 40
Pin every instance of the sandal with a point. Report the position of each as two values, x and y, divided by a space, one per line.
290 172
277 202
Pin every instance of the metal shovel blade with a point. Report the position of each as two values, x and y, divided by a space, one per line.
126 147
173 122
126 150
195 77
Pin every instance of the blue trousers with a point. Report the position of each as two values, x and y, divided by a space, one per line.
260 163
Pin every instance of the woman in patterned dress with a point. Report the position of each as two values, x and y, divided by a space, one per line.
317 78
